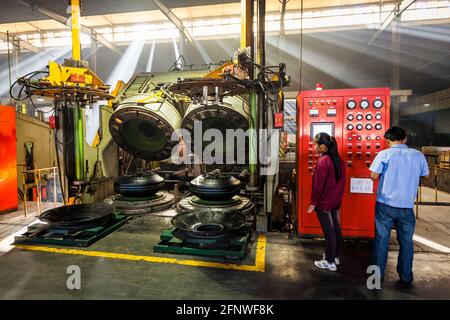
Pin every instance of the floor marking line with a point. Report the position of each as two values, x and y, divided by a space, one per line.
431 244
259 265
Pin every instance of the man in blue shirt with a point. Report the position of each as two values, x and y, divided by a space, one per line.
399 169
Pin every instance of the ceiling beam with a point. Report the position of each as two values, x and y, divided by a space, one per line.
63 20
176 21
398 10
21 43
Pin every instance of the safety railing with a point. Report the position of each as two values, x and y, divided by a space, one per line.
37 182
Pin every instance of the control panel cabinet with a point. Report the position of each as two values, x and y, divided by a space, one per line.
357 118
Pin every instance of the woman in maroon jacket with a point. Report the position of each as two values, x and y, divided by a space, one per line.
327 192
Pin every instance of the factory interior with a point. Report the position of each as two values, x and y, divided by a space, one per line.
166 150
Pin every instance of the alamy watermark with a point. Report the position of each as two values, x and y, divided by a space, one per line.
374 280
74 280
214 146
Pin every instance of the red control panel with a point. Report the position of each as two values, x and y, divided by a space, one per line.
357 118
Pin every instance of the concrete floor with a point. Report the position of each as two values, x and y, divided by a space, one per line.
289 271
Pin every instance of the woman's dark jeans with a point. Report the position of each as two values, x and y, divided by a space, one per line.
331 227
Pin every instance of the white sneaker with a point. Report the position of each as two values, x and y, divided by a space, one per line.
325 265
336 260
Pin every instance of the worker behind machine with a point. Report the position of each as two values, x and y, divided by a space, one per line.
327 192
399 169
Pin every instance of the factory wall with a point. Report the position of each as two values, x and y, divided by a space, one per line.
39 133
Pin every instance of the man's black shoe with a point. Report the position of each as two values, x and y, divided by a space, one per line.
404 284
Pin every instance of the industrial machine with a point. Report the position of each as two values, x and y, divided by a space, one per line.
74 88
8 163
357 118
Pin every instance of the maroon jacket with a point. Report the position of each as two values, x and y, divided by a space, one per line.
327 193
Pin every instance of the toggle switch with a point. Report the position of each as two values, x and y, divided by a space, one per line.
358 145
368 154
349 145
349 163
367 146
377 146
358 154
349 154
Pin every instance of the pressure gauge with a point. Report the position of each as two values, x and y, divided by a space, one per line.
359 126
378 126
351 104
350 117
369 117
364 104
377 103
350 127
368 126
378 116
359 117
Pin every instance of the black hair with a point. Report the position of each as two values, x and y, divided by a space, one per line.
395 134
330 142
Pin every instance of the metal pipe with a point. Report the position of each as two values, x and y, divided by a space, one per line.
79 144
76 44
9 64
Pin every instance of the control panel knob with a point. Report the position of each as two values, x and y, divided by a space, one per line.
378 116
368 127
369 117
359 126
364 104
378 126
359 138
350 117
359 117
350 127
377 103
377 138
351 104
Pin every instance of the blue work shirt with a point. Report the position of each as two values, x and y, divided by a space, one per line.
400 169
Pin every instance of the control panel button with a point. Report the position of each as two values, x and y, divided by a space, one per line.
378 126
369 117
368 127
359 117
378 146
377 138
349 145
359 138
377 103
378 116
351 104
368 138
350 127
331 112
350 117
349 163
350 138
313 113
359 126
364 104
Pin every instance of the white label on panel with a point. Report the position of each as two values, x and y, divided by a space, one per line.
361 185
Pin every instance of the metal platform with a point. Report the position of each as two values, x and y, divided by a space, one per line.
233 246
44 234
137 206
